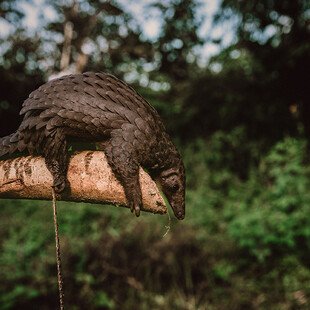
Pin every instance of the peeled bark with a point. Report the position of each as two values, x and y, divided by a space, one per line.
90 177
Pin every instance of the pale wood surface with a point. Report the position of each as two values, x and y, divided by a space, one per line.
91 180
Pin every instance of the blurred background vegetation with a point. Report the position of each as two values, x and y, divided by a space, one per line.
233 88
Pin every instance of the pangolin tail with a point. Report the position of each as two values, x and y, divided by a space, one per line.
9 144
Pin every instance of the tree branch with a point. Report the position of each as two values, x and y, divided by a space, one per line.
90 177
67 45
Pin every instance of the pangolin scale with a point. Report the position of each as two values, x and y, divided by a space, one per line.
99 107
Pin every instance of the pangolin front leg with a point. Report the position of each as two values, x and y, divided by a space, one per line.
57 159
123 161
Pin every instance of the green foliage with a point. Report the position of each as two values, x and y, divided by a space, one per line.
278 220
275 37
179 37
268 212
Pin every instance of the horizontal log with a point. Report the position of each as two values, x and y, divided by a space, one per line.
90 176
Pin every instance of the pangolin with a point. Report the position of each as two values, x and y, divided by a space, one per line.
100 108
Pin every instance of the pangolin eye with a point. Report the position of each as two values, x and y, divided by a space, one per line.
175 187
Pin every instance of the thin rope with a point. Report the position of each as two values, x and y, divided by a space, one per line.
58 258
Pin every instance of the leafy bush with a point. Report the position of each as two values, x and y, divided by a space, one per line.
277 221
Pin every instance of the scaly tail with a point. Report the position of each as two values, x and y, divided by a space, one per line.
9 144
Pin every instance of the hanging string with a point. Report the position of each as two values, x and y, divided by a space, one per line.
58 258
